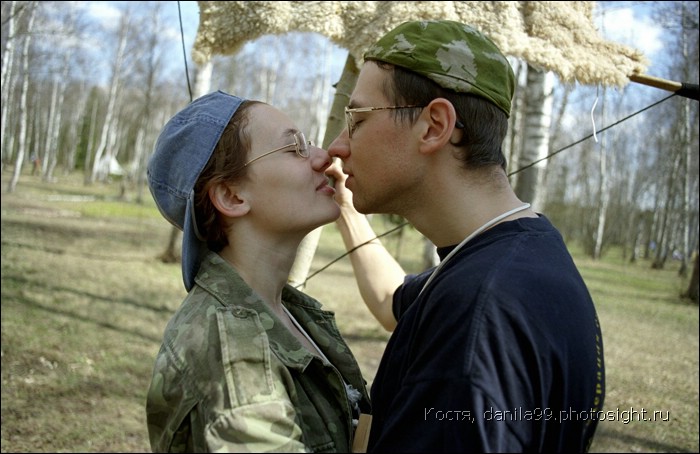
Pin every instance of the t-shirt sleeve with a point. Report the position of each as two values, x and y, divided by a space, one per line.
407 292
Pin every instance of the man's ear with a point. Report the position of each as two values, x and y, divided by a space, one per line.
228 200
439 119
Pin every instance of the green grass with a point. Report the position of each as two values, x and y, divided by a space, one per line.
85 300
651 354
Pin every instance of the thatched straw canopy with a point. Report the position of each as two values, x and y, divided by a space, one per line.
555 36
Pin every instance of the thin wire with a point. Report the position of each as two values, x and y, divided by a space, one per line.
351 251
589 136
184 52
510 174
593 117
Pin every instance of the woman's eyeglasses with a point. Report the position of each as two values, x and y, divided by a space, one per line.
300 143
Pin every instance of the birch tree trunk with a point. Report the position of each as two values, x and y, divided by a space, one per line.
24 120
662 246
91 139
651 245
513 141
145 131
268 78
52 126
7 79
202 80
692 290
685 144
55 119
72 138
322 90
686 165
603 191
538 118
111 101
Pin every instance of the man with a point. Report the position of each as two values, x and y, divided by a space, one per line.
498 348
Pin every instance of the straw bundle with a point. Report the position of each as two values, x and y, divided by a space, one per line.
555 36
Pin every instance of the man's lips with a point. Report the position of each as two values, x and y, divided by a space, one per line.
350 177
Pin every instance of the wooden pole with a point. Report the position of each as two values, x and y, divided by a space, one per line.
681 89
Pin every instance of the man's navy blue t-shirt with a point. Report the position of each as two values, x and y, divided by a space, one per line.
502 351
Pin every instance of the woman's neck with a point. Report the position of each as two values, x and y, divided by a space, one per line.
263 264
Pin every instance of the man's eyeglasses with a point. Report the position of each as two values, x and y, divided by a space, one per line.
350 121
300 144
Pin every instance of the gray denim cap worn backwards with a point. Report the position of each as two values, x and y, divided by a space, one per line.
182 151
452 54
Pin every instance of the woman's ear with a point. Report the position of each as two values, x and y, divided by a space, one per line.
439 125
228 201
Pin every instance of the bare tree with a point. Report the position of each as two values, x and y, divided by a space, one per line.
23 114
91 136
643 164
663 243
603 191
688 64
538 117
512 143
78 110
149 66
7 65
692 291
54 125
103 153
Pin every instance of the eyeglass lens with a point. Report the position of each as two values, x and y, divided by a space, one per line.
302 145
349 122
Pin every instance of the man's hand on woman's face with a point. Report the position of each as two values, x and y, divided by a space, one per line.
343 196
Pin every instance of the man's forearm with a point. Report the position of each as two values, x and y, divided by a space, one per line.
377 273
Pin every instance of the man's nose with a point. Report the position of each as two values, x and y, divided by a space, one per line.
340 147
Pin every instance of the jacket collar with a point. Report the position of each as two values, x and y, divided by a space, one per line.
219 278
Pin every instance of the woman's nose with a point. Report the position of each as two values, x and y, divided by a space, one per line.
320 159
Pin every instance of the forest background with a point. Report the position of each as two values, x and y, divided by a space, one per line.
84 96
86 87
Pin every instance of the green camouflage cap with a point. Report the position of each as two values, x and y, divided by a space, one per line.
454 55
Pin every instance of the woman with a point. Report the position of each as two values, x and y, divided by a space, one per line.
247 363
